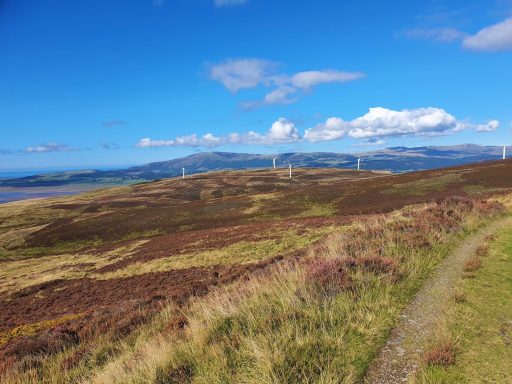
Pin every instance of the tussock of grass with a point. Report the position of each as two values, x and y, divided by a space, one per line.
442 354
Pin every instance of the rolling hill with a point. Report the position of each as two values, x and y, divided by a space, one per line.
396 159
92 280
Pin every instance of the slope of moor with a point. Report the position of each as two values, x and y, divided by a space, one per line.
79 267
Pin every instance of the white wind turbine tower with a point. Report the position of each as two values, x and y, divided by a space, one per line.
274 161
504 152
290 170
183 173
358 163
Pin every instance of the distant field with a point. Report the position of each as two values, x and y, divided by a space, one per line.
106 261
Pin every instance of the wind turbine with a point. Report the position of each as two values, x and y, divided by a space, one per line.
274 161
358 163
504 152
290 169
183 173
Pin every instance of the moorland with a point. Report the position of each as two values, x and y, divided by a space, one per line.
230 276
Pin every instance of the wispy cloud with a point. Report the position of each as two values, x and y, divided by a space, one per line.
444 35
239 74
381 123
113 123
228 3
50 147
282 131
497 37
109 146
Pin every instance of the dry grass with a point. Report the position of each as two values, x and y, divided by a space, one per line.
20 274
472 265
32 329
481 324
274 328
243 252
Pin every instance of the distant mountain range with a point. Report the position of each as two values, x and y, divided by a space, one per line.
394 159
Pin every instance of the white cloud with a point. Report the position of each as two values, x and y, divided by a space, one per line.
308 79
334 128
497 37
382 122
371 129
444 35
488 127
242 73
207 140
282 131
280 95
228 3
49 147
238 74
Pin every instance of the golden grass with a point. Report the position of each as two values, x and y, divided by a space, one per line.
275 329
423 187
18 274
259 201
32 329
242 252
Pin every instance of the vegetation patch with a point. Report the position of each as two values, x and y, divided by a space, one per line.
441 354
32 329
242 252
482 322
423 187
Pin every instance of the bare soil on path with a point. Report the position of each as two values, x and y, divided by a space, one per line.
400 357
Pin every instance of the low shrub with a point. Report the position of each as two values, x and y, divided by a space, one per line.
329 276
473 264
379 265
482 250
442 354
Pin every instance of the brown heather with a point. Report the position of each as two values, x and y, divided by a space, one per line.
442 354
311 316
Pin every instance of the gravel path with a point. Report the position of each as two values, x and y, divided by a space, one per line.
401 355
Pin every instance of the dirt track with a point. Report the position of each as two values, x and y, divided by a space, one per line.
400 357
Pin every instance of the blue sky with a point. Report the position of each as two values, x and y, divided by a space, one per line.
113 83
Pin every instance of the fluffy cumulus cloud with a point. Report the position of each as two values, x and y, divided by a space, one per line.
372 128
228 3
381 123
240 74
497 37
49 147
282 131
